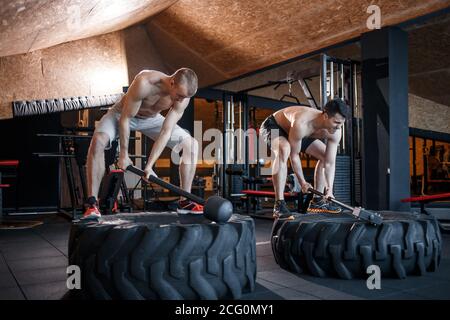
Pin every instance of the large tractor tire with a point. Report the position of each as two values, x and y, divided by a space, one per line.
164 256
327 245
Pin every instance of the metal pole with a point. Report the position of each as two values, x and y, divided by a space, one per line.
230 134
341 81
241 138
331 80
59 176
1 200
312 102
245 128
351 131
323 80
414 178
356 111
225 142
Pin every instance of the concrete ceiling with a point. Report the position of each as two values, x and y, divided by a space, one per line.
222 39
428 63
28 25
429 60
237 37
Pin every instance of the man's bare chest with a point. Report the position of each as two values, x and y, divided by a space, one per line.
318 134
154 105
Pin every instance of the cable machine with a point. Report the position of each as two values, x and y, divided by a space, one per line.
338 79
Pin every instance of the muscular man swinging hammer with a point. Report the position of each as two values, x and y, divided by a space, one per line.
139 109
294 129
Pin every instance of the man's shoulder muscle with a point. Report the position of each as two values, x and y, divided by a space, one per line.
144 83
150 76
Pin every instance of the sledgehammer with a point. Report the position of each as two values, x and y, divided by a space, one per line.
358 212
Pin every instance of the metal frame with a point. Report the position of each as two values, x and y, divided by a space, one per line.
230 101
307 91
243 99
277 84
428 134
328 66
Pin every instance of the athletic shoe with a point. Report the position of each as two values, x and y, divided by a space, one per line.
189 207
323 206
333 208
92 210
281 211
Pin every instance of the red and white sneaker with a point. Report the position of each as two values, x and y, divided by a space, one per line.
189 207
92 210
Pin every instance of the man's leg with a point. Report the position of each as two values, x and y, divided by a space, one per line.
96 162
281 150
95 166
179 141
317 150
188 163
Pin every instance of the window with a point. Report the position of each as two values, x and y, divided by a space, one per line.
430 165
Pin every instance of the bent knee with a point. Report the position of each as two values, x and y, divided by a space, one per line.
99 142
321 159
189 145
284 151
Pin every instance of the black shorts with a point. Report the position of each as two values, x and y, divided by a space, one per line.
271 124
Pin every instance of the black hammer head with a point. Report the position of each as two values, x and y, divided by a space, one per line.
369 216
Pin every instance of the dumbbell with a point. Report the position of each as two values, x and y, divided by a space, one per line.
358 212
215 208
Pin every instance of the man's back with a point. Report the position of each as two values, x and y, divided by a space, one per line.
298 115
155 101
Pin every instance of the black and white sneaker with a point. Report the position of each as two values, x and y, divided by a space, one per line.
281 211
323 206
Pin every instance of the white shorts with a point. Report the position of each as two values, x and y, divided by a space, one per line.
151 127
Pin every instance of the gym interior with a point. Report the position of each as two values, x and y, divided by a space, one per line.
65 64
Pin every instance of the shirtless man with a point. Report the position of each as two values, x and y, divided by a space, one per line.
296 129
139 109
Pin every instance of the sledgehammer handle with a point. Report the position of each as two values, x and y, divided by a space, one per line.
167 185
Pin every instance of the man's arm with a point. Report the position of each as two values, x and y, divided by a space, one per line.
330 160
172 117
295 141
138 90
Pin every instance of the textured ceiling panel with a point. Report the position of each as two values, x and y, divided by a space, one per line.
429 60
434 86
226 38
28 25
429 47
177 54
241 36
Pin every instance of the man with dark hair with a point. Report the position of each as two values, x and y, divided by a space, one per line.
296 129
139 109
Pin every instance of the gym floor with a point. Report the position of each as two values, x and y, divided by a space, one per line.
33 266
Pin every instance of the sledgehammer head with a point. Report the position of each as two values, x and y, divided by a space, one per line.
367 215
218 209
